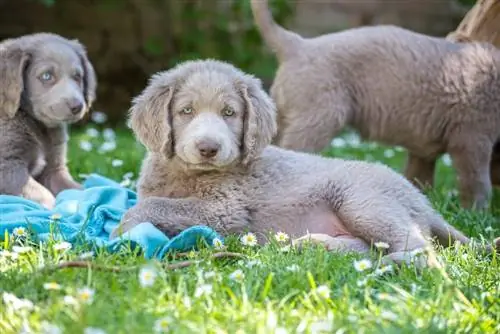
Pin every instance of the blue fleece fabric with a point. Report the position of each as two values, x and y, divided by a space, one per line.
90 215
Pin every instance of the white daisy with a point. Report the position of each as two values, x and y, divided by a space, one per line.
92 132
86 255
362 282
86 145
281 237
249 239
338 142
323 291
55 216
117 163
293 268
237 275
162 325
381 245
99 117
93 330
21 249
389 153
62 246
70 300
388 315
85 295
362 265
51 286
19 232
147 276
107 146
203 290
48 328
109 134
217 243
447 160
382 270
254 263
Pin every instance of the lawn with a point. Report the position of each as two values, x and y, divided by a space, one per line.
271 289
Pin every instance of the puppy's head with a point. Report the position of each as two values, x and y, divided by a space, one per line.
48 76
207 114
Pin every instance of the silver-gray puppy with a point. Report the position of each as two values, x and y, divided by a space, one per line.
207 127
47 83
394 86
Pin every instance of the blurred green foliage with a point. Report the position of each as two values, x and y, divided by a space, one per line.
222 29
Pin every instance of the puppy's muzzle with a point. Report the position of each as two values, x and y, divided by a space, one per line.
75 106
207 148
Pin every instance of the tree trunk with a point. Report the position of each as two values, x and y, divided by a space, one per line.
481 24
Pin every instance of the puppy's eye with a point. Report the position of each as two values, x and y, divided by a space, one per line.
187 110
77 77
228 111
46 76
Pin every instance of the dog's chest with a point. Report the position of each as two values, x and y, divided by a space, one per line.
38 162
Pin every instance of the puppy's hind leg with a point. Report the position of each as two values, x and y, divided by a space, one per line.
337 244
311 124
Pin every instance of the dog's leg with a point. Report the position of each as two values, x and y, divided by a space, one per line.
172 215
471 158
495 166
420 171
15 180
337 244
311 127
56 176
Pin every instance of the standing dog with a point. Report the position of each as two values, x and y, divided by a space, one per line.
47 83
394 86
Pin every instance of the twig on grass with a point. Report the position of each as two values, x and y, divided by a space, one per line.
171 266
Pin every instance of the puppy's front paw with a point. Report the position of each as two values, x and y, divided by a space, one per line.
48 201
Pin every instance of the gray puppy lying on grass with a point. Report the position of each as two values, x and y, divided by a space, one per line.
394 86
207 127
47 82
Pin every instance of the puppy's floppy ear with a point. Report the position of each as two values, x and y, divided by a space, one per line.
13 61
259 123
89 75
150 114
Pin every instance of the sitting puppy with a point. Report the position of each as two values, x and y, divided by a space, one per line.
47 82
207 127
394 86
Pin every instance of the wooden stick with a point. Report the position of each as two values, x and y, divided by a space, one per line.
171 266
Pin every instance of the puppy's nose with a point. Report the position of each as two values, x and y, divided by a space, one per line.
208 148
75 106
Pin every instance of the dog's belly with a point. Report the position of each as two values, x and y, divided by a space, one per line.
297 223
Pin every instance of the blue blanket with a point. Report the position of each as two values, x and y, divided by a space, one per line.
90 215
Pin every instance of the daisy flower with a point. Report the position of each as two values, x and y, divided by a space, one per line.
147 276
323 291
362 265
217 243
86 295
237 275
388 315
389 153
254 263
293 268
86 255
21 249
107 146
109 134
203 289
51 286
117 163
93 330
70 300
92 132
382 270
62 246
249 239
381 245
17 303
56 216
19 232
48 328
86 145
281 237
362 282
162 325
99 117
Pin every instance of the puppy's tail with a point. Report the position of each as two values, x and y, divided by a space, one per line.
284 43
447 235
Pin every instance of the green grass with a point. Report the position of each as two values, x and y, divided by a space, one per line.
281 291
